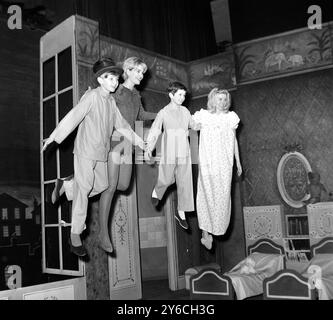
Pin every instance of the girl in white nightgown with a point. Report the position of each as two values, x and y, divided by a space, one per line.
217 148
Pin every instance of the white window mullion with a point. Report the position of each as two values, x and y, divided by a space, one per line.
58 160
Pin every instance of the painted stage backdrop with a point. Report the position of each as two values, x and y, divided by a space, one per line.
290 52
283 53
211 72
20 235
161 70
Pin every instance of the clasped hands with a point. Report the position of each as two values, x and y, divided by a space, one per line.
148 154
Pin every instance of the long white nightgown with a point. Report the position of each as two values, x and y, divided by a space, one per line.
216 158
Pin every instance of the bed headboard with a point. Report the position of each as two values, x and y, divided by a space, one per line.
323 246
265 246
263 222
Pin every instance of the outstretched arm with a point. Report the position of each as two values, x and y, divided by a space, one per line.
70 121
238 163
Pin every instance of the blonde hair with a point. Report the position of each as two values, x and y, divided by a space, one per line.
132 62
211 103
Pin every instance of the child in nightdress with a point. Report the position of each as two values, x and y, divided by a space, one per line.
217 148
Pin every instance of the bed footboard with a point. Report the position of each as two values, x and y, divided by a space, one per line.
288 284
212 285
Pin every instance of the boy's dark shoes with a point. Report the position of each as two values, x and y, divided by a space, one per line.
56 190
80 251
182 222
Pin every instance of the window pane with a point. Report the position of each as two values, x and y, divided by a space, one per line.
65 69
65 103
51 210
49 117
66 207
70 261
49 77
52 247
50 164
66 147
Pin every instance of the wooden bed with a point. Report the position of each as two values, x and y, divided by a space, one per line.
291 285
212 285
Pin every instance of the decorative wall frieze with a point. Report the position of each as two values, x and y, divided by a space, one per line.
285 53
280 55
87 40
215 71
161 69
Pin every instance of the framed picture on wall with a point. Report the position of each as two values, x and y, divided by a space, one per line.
292 178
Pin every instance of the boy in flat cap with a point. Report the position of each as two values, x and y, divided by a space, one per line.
96 116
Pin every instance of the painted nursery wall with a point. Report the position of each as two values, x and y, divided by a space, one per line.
284 100
295 110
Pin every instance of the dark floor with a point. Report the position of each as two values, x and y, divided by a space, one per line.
159 290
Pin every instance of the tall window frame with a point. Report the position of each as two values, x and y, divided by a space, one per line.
58 94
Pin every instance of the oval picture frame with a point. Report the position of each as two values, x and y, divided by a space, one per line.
292 178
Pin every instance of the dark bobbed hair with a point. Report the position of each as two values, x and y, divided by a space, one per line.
175 86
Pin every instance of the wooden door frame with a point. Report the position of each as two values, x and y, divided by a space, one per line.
176 281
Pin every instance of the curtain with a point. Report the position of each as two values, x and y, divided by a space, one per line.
182 29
